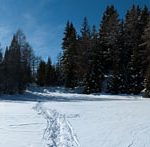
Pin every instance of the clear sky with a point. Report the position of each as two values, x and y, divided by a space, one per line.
43 21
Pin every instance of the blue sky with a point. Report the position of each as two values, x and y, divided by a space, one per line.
43 21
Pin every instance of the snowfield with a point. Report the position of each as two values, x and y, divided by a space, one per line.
55 118
20 126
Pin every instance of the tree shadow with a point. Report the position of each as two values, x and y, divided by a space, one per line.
62 97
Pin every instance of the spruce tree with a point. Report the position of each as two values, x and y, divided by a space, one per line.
108 32
15 66
146 39
41 74
94 75
50 74
69 56
122 72
1 56
84 51
132 41
109 43
144 17
1 72
12 62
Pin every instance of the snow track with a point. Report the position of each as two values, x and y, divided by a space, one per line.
59 131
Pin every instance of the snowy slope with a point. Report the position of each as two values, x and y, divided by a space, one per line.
74 120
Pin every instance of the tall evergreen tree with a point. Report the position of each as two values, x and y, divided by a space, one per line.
115 78
1 56
146 39
84 51
145 14
122 72
94 75
108 32
132 41
50 74
69 56
41 74
109 43
13 68
1 72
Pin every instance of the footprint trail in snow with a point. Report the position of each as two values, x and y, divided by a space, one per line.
59 131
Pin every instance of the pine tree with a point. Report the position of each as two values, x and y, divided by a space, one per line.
146 39
12 62
108 32
143 50
69 56
50 74
132 41
1 56
5 68
94 75
1 72
41 74
84 51
109 42
15 67
122 83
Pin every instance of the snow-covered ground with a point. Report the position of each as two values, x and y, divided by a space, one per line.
20 126
54 118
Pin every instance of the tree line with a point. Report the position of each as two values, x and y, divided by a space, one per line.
20 67
115 59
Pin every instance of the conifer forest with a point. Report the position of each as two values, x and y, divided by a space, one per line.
111 58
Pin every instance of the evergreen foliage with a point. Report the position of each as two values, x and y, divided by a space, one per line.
69 56
115 59
84 51
146 43
46 74
41 74
15 66
112 60
94 75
